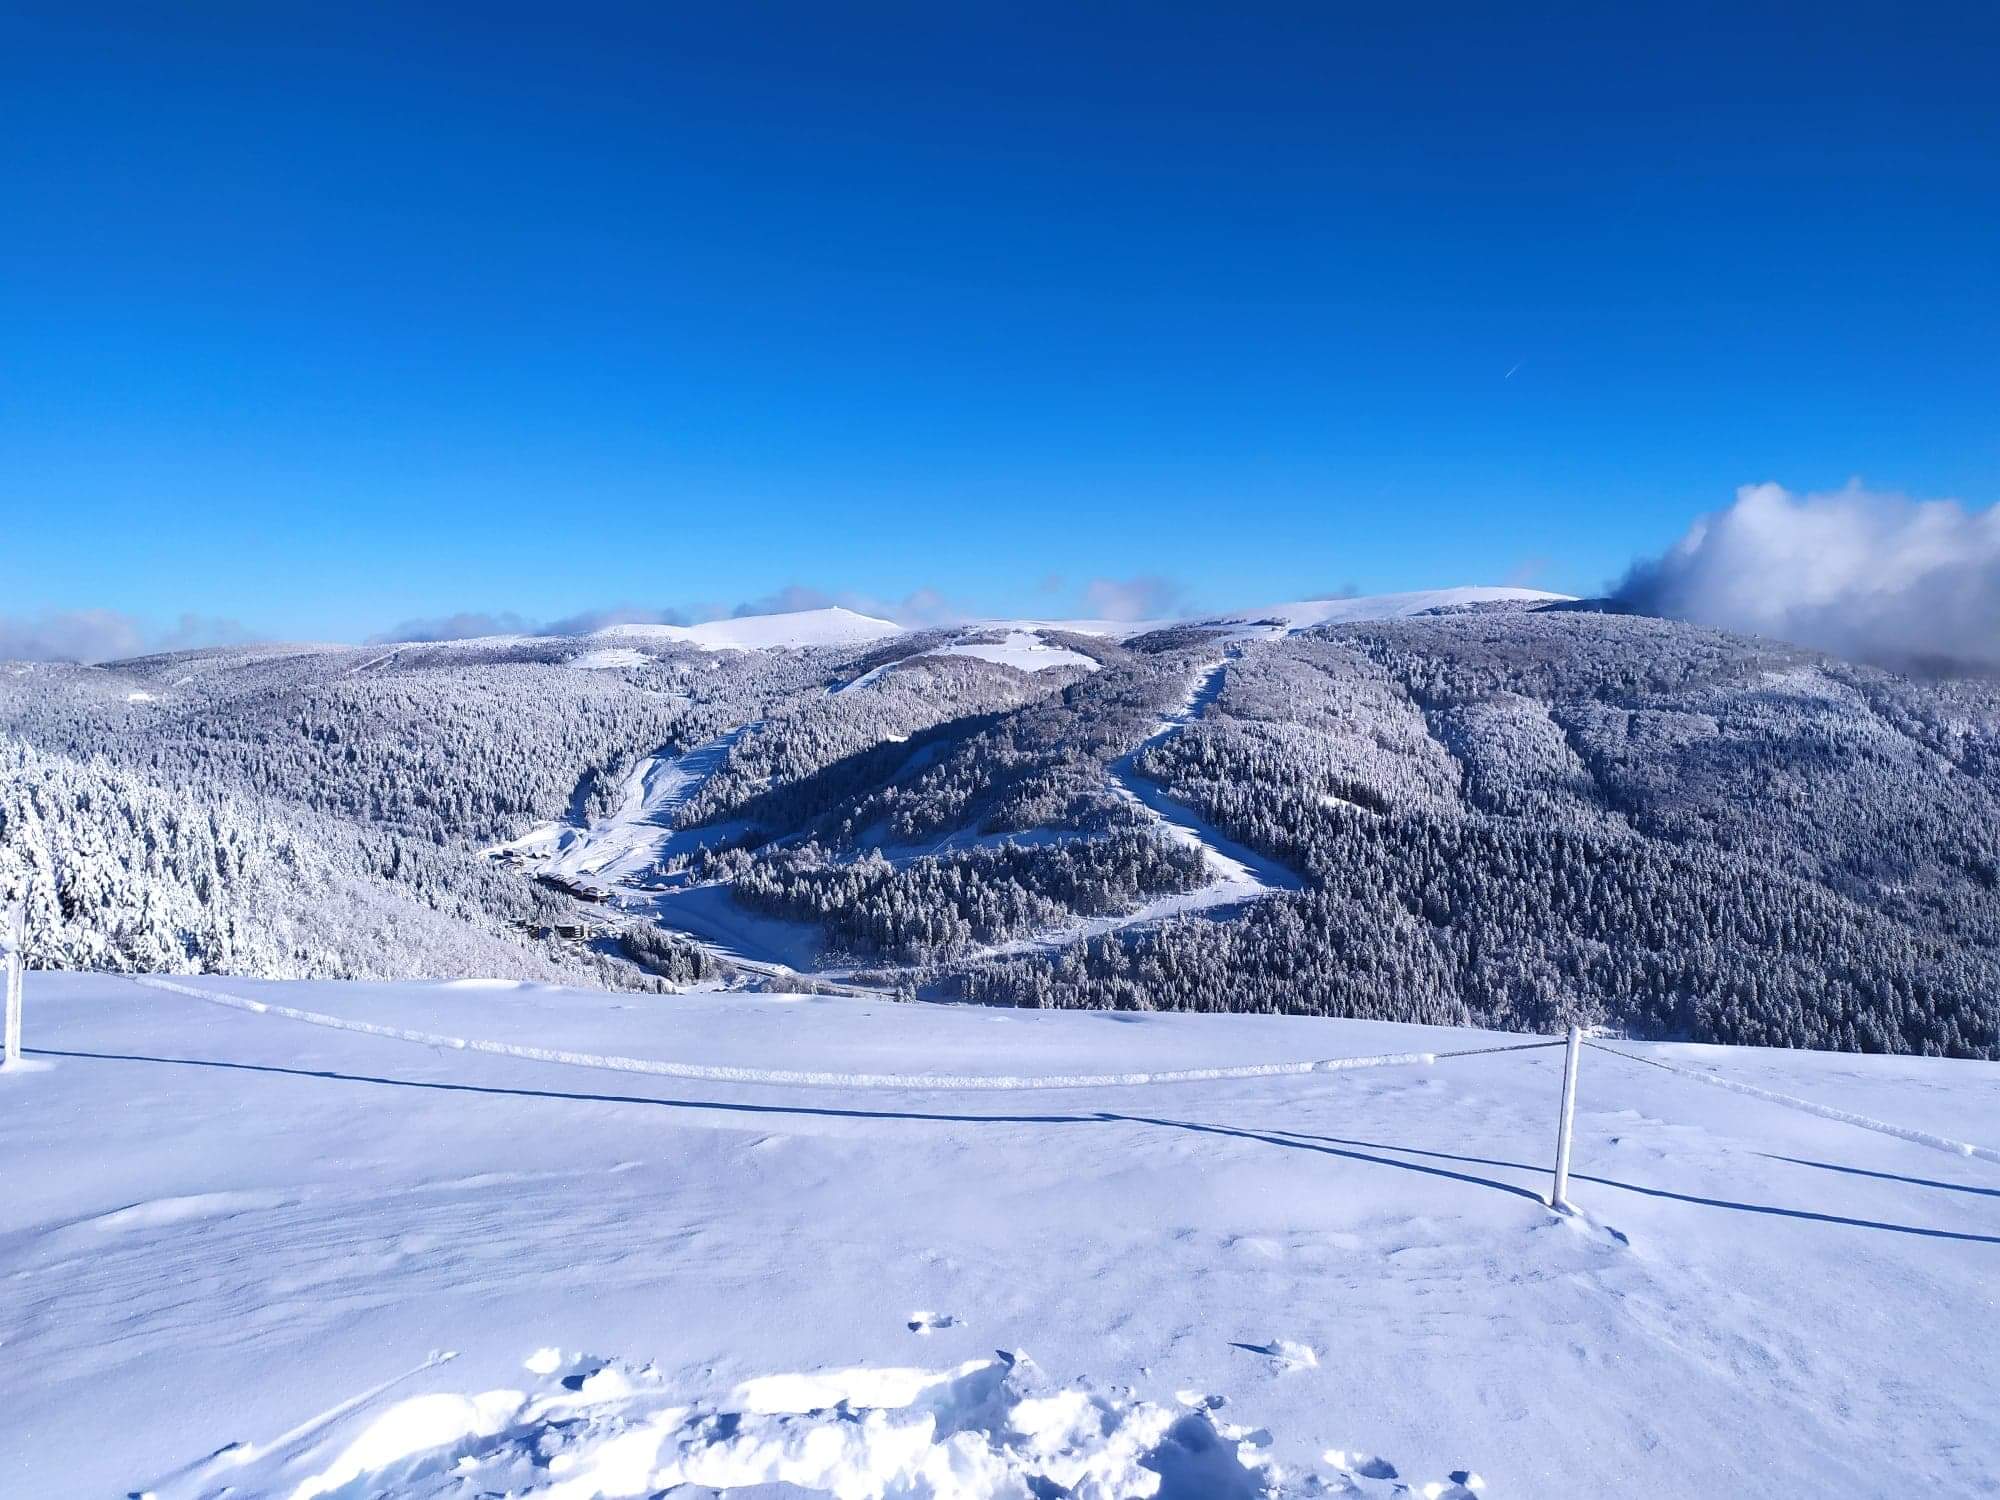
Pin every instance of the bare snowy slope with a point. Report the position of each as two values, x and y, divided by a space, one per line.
1304 614
1278 620
250 1255
810 627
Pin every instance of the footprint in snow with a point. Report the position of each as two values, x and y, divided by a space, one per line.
1364 1465
1285 1354
926 1323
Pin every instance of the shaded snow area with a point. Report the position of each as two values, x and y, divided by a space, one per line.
248 1255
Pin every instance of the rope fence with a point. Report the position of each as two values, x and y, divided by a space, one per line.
799 1078
1573 1046
1824 1111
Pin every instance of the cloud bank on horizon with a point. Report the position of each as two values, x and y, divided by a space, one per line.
1867 574
107 635
1907 584
1142 598
100 635
918 609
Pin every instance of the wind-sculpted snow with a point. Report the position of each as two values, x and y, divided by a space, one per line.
246 1251
988 1429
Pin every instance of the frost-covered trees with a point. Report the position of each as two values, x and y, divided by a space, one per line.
125 874
936 908
1538 816
1510 817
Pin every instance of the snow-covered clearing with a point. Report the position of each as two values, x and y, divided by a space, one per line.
1023 649
1236 874
1241 874
609 658
240 1250
636 834
617 852
799 628
1283 619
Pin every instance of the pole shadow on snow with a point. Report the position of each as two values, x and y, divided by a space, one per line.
1324 1145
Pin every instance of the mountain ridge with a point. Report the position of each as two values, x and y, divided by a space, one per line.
1488 810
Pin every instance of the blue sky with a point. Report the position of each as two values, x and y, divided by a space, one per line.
320 321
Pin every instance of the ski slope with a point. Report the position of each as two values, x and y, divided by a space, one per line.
1020 648
639 831
248 1254
1236 874
618 853
1240 874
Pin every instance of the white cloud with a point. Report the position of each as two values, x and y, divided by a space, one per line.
1855 572
464 626
1147 597
588 620
92 635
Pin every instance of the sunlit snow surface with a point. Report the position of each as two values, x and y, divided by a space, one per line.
810 627
236 1251
1284 619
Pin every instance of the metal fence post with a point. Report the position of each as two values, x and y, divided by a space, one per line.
1559 1190
13 941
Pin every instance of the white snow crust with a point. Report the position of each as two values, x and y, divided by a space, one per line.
809 627
248 1255
1286 619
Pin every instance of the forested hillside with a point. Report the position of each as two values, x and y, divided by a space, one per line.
1508 815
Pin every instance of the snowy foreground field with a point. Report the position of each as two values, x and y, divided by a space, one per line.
244 1254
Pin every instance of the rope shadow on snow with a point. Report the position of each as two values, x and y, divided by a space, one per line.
820 1111
1930 1182
1810 1215
1336 1146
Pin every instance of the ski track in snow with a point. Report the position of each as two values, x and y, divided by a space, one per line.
1238 875
640 831
619 849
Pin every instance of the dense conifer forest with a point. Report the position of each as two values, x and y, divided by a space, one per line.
1507 816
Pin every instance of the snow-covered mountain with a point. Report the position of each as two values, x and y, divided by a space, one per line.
800 628
1285 619
1459 806
835 626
